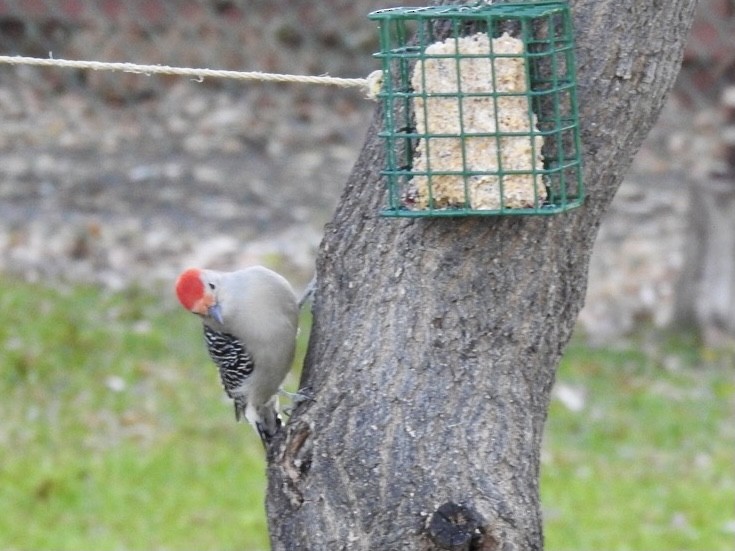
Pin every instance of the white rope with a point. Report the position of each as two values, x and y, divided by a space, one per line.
368 84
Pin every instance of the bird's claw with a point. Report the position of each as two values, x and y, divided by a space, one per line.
297 397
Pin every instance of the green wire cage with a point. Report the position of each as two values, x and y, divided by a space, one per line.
480 109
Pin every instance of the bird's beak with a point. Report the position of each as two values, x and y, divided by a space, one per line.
215 312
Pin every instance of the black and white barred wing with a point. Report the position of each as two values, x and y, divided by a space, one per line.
234 362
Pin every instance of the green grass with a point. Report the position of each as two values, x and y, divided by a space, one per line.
647 464
115 435
114 430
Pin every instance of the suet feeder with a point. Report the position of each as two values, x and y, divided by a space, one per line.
480 109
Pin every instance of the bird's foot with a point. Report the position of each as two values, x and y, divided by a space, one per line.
297 397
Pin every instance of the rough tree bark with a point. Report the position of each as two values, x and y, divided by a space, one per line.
435 342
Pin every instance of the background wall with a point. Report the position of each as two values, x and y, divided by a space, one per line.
121 178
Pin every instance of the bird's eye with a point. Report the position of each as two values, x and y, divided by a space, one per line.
211 286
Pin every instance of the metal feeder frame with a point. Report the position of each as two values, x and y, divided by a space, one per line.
545 29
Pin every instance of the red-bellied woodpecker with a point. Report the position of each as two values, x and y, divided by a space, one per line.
250 321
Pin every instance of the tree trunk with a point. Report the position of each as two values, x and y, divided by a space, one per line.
705 297
435 342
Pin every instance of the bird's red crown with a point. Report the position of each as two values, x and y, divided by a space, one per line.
189 288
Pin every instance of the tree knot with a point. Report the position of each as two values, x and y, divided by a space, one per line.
458 527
